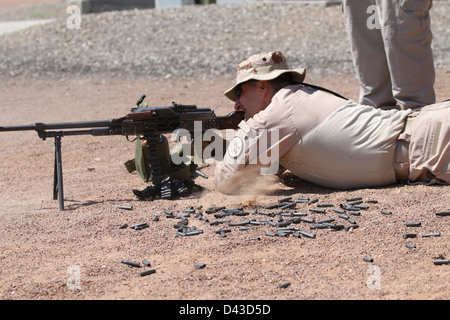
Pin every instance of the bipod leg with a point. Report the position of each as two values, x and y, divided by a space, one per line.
58 192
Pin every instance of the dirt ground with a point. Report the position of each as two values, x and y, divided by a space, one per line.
76 254
10 3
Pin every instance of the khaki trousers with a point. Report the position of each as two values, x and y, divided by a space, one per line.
391 50
429 148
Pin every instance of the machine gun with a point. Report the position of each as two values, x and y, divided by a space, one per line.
149 122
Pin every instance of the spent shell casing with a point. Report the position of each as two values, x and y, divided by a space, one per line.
413 224
288 205
284 285
443 214
409 235
410 245
326 220
139 226
441 261
307 234
318 226
193 233
147 272
199 265
125 207
317 210
299 214
351 221
386 212
240 223
353 199
325 205
367 259
270 234
131 263
146 263
435 234
201 174
307 220
287 199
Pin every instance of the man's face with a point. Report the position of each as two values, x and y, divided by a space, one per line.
250 99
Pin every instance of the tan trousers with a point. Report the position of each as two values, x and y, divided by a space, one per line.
391 50
429 148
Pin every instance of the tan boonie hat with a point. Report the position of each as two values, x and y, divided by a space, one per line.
263 66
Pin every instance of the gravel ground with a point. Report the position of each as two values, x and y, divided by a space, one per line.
202 42
52 74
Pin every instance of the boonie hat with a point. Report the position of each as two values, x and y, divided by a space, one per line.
263 66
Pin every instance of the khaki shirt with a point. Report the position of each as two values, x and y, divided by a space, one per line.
317 136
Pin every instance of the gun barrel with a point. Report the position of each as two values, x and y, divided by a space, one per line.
61 125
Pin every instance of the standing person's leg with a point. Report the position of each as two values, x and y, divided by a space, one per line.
369 56
405 27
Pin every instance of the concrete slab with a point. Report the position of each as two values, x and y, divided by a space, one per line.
13 26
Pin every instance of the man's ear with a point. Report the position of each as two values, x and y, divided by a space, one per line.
263 87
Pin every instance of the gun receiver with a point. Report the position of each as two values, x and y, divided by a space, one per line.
149 122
